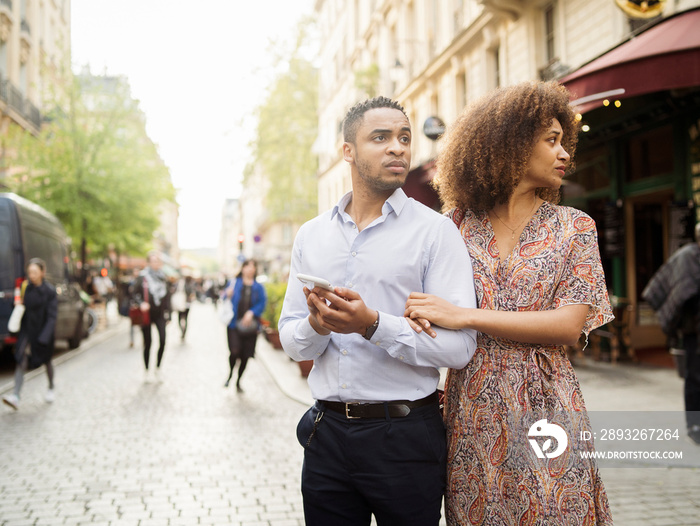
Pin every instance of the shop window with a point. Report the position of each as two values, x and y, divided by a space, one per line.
592 173
650 154
648 241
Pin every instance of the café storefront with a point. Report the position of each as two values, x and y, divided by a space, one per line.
638 160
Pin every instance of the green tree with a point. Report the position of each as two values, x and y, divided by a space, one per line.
94 166
286 130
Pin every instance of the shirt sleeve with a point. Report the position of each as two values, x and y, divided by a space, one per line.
299 339
583 279
448 275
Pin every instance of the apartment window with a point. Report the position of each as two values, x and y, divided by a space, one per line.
461 91
549 32
433 31
494 67
23 79
458 15
3 59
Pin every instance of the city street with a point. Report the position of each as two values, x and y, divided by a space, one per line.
113 450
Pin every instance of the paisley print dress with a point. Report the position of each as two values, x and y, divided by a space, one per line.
495 475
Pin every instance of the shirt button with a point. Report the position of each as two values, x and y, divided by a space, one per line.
345 352
377 342
400 357
344 386
354 226
354 254
348 285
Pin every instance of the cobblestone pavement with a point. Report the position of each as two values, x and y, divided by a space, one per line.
113 450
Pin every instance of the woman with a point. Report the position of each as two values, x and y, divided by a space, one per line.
35 343
181 301
151 292
248 299
540 284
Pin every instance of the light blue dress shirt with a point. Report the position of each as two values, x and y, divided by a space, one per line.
410 248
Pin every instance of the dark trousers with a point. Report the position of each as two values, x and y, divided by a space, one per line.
159 322
692 380
392 468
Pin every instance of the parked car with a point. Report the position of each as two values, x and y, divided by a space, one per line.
28 231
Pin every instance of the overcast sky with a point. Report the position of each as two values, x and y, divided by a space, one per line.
198 68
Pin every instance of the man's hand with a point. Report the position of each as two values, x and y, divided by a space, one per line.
342 311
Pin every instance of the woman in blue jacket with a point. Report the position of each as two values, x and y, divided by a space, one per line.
248 299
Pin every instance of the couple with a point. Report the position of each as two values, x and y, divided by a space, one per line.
405 304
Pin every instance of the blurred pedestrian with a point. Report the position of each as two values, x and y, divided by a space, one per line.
374 441
540 285
248 299
152 294
136 272
181 301
35 343
674 293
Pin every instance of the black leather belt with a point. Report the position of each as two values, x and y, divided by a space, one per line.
395 408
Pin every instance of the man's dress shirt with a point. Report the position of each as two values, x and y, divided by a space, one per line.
410 248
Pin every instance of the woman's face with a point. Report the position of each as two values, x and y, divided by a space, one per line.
248 270
35 274
549 160
155 262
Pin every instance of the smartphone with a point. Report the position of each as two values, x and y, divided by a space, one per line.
312 281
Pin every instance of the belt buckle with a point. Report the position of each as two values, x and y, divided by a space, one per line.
347 413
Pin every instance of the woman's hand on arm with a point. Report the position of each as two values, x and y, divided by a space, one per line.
435 310
562 326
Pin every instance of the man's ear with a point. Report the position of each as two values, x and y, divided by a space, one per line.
349 152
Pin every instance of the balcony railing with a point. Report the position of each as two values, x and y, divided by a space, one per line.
14 98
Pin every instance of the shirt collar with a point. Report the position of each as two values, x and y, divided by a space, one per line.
395 202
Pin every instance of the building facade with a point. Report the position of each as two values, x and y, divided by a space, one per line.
638 162
34 57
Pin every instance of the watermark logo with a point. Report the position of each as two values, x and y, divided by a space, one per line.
542 428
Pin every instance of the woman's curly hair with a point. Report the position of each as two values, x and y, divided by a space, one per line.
487 150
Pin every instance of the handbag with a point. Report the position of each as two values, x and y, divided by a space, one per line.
246 329
138 316
15 321
225 311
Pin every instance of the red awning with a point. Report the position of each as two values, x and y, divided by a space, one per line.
665 57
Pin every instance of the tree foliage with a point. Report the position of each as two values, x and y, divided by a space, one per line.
94 167
286 130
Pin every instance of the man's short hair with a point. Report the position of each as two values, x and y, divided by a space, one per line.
354 117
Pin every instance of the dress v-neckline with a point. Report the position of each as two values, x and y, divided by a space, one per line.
501 260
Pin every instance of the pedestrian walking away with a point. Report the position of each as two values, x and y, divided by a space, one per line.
181 302
248 300
152 294
374 440
35 343
540 285
130 299
674 293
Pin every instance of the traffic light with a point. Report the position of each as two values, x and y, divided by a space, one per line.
241 239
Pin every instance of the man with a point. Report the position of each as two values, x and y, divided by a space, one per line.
674 293
374 440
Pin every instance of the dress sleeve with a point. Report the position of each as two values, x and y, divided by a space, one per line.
583 280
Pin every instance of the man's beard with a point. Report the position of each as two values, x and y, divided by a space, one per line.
364 169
